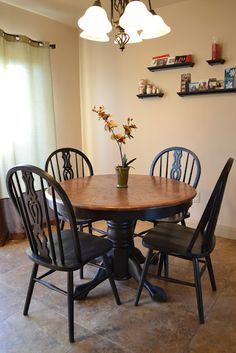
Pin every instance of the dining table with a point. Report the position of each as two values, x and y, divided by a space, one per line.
146 198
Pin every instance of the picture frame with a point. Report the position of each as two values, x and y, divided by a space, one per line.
220 84
193 86
170 60
185 80
203 85
160 60
212 83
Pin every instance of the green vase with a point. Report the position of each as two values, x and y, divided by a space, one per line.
122 174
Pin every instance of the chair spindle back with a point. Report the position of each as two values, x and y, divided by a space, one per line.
68 163
177 163
27 186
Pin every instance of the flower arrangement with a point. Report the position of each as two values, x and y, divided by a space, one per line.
110 126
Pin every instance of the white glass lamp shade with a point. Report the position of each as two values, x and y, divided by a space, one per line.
95 19
134 36
155 28
135 16
95 36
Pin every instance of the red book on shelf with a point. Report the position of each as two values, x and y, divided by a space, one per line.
161 56
183 59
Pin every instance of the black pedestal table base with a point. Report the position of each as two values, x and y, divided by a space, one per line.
126 260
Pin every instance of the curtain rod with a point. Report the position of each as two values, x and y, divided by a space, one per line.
25 39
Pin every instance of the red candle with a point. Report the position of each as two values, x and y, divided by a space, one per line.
215 51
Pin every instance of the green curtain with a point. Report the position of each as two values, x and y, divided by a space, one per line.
27 124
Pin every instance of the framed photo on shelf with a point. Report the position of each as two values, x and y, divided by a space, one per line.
203 85
170 60
160 60
185 81
230 77
193 86
220 84
212 83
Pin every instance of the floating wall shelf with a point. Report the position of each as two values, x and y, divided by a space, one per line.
150 95
216 62
171 66
215 91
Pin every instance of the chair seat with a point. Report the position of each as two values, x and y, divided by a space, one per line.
172 238
177 218
92 246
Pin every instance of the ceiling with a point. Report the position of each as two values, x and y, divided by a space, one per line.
68 11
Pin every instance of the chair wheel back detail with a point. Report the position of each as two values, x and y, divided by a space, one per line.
50 246
68 163
195 245
177 163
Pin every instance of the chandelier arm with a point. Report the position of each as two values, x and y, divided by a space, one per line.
150 8
112 12
119 7
150 5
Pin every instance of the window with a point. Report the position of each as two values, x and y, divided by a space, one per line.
27 126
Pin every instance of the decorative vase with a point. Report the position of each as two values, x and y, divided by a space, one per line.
122 174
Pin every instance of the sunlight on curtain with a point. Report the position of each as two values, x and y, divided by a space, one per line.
27 125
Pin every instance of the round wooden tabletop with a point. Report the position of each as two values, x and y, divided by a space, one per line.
99 193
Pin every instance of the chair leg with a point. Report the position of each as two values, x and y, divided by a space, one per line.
81 271
163 260
160 265
211 273
198 287
90 228
62 224
183 223
30 288
143 275
70 304
134 225
111 279
166 265
155 258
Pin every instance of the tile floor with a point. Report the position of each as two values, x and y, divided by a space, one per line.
103 327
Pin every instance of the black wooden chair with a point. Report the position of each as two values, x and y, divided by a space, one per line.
177 163
69 163
50 246
195 245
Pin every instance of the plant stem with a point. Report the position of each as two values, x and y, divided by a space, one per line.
120 149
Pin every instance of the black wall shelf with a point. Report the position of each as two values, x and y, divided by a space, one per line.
215 91
150 95
171 66
216 62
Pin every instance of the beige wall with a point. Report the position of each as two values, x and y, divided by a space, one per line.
65 69
205 124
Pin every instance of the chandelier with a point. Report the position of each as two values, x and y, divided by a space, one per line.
133 21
